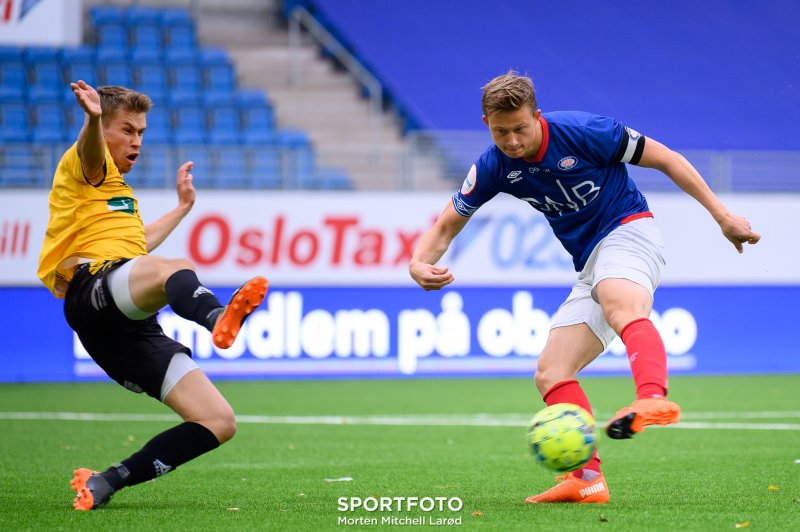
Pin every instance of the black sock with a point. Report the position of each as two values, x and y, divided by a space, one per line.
191 300
162 454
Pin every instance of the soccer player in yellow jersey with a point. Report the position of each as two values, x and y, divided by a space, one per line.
96 255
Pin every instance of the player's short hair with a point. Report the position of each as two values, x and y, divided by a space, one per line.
115 99
509 92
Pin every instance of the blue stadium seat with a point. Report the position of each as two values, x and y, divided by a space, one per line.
142 15
104 15
12 93
41 54
258 118
111 54
225 116
203 163
14 115
13 74
226 134
48 114
18 177
185 75
218 97
180 37
115 74
112 36
11 54
10 134
230 170
140 56
187 135
189 116
158 166
180 56
76 54
219 77
75 116
176 16
265 168
184 96
150 75
81 70
209 55
147 36
330 179
16 156
159 126
251 98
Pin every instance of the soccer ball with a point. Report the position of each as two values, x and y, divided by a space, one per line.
561 437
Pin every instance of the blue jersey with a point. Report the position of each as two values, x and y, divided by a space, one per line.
578 180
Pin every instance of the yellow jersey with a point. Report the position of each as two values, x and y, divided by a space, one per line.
88 223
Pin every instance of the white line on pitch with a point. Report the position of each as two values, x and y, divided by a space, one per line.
479 420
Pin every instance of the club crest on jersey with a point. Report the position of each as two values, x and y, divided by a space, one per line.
469 182
568 163
514 176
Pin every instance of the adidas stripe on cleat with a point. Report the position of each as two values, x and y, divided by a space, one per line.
92 490
642 413
575 490
242 303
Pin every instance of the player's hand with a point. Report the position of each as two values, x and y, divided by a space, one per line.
737 229
185 187
430 277
87 97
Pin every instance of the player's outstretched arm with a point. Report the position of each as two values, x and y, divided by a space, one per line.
432 246
156 232
91 145
734 227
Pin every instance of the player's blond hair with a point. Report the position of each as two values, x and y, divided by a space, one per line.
114 99
509 92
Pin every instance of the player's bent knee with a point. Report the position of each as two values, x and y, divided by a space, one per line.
222 424
546 376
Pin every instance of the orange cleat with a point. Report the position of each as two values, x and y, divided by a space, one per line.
242 303
574 489
642 412
92 490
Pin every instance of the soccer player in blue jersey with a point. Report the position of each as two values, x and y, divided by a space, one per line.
570 166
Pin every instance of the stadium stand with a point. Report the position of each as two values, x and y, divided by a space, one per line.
199 112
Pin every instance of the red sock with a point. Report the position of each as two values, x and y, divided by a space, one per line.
571 392
648 358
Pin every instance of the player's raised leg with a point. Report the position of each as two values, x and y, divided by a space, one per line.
155 281
626 306
568 350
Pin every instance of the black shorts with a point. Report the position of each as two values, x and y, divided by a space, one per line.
135 353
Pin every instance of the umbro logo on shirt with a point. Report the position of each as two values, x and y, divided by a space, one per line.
514 176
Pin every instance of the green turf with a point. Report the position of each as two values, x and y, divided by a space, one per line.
273 474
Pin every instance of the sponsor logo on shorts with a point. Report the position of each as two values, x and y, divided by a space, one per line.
98 295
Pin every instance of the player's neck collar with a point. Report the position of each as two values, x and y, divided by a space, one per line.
545 141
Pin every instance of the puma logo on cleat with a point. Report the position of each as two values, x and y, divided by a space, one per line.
161 467
585 492
201 290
